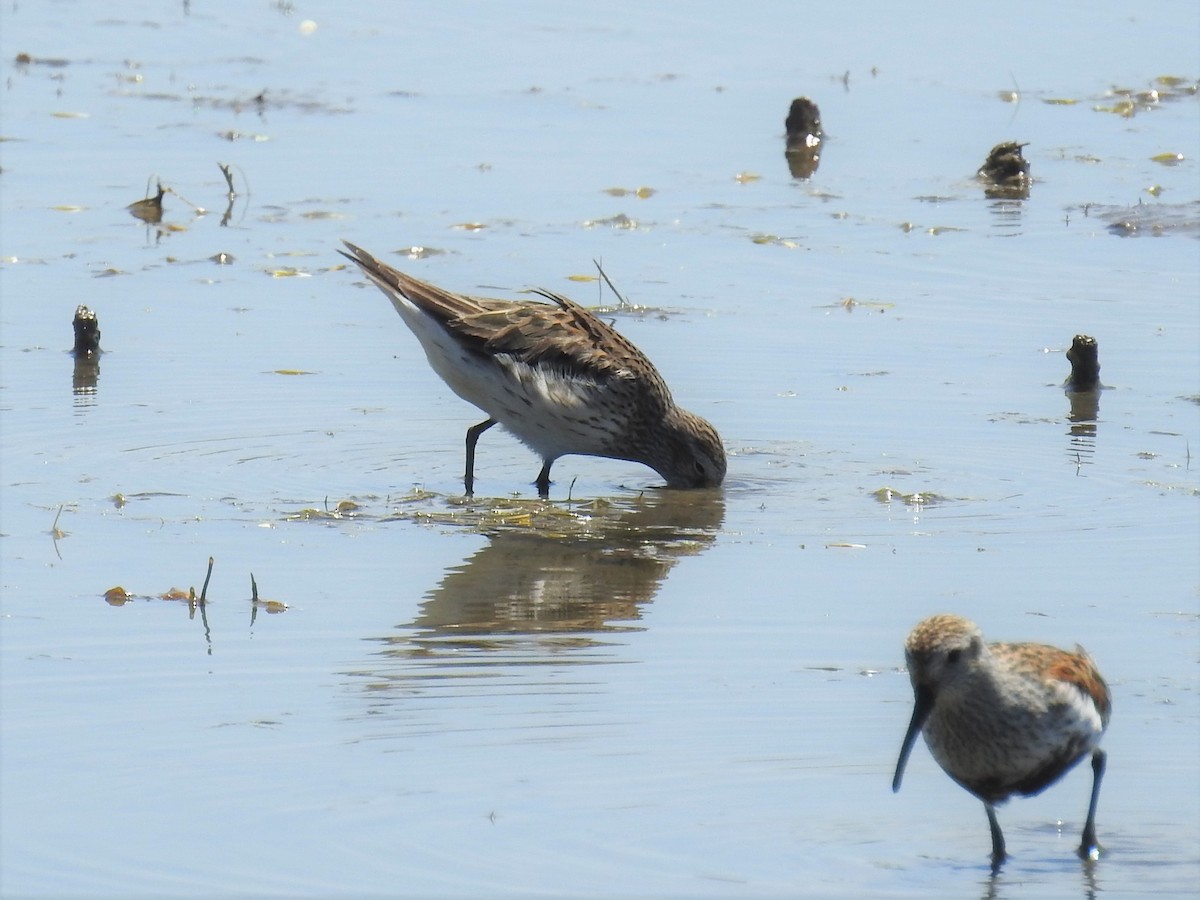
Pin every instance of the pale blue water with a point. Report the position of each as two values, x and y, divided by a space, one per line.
696 699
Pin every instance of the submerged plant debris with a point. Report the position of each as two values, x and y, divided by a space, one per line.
762 238
642 193
273 607
600 517
918 498
1150 219
619 221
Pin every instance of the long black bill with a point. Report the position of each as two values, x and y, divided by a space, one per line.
922 707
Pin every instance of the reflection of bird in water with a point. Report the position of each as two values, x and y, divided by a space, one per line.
86 351
803 127
1005 172
556 376
1004 719
526 582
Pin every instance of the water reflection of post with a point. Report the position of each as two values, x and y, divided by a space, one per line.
535 584
1083 391
1007 216
87 357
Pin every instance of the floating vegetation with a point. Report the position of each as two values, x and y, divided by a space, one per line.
1125 102
761 238
887 495
55 531
118 596
25 59
597 517
1124 108
641 193
618 221
1168 159
288 272
747 177
344 509
490 515
469 226
271 606
1150 219
149 209
293 372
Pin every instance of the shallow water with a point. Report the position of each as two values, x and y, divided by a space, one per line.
633 692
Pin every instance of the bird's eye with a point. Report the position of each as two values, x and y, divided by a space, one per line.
953 656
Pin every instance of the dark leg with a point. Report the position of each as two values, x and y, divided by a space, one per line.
473 434
543 480
1089 848
998 854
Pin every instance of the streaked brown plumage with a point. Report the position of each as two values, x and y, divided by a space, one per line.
559 378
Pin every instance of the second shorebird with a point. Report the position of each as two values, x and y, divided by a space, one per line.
559 378
1004 719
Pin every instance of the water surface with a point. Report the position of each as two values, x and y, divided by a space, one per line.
653 695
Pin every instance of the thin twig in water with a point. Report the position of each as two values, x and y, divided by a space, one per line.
623 302
199 210
1017 94
227 171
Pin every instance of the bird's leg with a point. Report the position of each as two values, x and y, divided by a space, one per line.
543 480
1089 848
998 854
473 434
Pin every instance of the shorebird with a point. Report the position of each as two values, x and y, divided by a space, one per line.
556 376
1004 719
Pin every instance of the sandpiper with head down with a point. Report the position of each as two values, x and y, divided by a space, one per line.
559 378
1004 719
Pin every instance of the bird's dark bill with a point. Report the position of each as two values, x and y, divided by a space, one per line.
922 707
